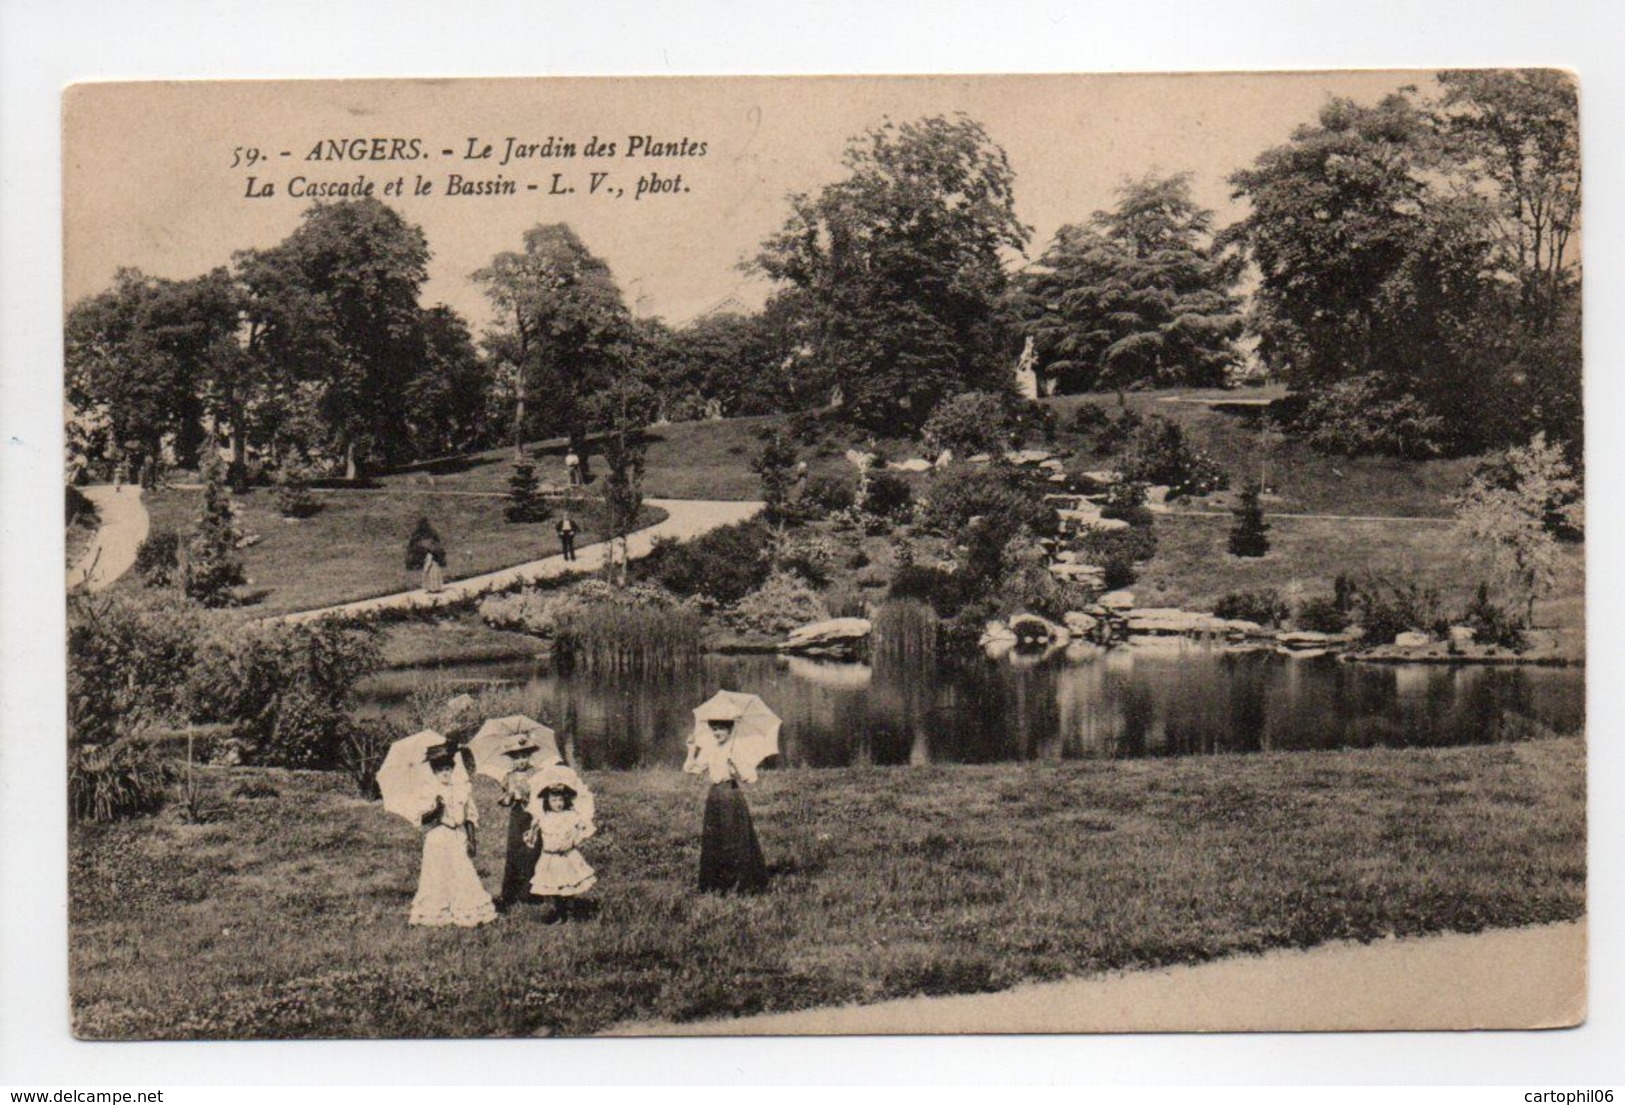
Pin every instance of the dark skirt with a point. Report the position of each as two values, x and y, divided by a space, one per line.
521 862
730 855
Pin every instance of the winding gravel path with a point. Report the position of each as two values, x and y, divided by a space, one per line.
685 518
124 525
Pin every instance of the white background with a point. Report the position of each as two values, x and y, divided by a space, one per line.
46 45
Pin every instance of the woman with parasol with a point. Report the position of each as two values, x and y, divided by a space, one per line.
509 750
423 780
733 733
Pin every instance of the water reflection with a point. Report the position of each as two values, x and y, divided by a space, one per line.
1170 698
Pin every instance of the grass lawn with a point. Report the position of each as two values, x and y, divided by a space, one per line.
1193 567
354 547
454 639
1304 480
285 917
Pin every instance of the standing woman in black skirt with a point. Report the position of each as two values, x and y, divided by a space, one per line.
730 855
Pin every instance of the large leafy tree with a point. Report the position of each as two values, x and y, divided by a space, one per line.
1373 275
140 355
446 401
901 266
1137 295
563 330
337 303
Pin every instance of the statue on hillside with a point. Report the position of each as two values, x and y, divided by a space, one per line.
1027 371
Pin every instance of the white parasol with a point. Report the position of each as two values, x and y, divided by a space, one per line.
405 779
499 737
562 775
754 738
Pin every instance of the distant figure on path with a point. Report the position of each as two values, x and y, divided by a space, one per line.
434 580
566 528
572 467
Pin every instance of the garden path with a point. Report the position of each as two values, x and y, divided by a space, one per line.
1507 978
124 523
685 518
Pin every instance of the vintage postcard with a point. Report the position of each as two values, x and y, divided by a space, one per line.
556 557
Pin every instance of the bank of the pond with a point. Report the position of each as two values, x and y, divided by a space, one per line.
284 915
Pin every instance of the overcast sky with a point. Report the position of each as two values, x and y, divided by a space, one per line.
150 184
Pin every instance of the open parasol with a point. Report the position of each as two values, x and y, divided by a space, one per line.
755 736
562 775
500 737
405 778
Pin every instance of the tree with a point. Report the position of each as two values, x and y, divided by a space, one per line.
1138 295
1370 272
1249 535
563 329
336 303
1517 131
212 566
1509 510
901 268
139 355
775 463
623 497
525 501
445 402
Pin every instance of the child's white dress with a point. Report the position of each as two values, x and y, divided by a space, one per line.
449 889
562 871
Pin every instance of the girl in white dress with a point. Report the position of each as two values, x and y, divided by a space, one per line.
562 809
449 889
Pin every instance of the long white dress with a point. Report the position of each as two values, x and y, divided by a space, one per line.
449 889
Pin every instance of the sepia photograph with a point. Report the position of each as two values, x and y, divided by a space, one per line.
832 555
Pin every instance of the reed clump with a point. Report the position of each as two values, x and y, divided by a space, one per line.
613 637
906 632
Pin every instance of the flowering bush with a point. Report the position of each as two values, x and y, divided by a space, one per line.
781 604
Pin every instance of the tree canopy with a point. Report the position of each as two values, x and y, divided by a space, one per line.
1137 295
902 267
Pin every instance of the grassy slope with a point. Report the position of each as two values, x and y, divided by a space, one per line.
287 917
355 546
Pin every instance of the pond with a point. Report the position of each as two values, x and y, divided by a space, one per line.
1166 698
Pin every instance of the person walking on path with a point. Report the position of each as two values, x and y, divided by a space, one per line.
566 529
434 580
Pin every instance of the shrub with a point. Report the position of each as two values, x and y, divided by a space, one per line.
887 495
80 510
212 567
1032 588
362 751
128 661
525 500
724 565
116 781
1033 421
1125 501
1322 615
286 689
1362 415
969 423
998 493
1099 546
1493 624
294 498
1266 607
158 557
775 464
827 494
424 542
1388 609
779 605
858 559
1117 433
1090 419
1156 453
1248 536
808 555
943 590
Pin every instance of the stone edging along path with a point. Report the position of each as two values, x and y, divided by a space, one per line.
685 518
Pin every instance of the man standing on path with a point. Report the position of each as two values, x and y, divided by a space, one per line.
567 535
